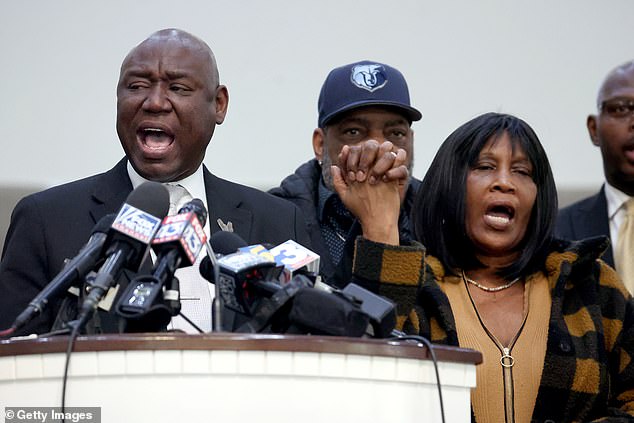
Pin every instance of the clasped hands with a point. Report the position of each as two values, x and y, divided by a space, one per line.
371 180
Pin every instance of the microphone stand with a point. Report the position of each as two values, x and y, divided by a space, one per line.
172 297
218 306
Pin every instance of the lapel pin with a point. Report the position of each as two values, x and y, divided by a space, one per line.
227 227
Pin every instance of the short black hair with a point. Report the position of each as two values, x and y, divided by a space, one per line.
439 209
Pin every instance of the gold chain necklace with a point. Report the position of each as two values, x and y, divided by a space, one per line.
486 288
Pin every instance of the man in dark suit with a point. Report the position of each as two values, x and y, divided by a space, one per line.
169 101
612 130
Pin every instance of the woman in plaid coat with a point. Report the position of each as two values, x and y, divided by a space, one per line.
554 323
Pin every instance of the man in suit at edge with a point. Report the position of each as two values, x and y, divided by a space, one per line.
612 130
169 101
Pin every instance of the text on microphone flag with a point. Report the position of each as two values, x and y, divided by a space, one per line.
184 228
174 225
239 261
169 231
292 255
136 223
258 250
192 242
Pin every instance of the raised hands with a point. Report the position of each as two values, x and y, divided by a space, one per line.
371 179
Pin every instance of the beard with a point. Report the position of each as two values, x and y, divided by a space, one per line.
326 174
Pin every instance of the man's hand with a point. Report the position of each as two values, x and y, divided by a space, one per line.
369 181
374 162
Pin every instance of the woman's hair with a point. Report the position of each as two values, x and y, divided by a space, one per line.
439 208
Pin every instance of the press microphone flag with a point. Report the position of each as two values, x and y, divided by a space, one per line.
183 232
293 256
130 236
177 244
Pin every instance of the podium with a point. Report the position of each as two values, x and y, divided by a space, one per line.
227 377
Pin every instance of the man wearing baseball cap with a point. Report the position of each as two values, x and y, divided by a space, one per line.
358 102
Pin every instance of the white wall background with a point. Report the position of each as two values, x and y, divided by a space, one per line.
542 60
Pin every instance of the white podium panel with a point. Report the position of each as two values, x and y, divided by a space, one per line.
232 378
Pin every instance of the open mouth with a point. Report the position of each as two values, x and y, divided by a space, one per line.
629 153
155 139
499 215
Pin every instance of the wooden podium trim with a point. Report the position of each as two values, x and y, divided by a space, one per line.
240 342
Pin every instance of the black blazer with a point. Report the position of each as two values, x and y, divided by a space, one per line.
584 219
50 226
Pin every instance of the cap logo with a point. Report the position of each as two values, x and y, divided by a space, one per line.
369 77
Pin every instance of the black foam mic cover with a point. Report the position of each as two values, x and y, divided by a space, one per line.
382 311
224 242
196 205
151 197
324 313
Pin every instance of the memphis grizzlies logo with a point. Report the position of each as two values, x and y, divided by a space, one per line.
369 77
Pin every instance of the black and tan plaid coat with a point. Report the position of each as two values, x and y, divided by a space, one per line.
588 370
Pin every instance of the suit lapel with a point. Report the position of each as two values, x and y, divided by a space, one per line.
592 220
110 191
224 206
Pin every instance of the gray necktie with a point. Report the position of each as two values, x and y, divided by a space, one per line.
194 289
179 196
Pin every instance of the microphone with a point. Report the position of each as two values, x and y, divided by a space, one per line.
182 233
295 306
225 243
353 311
293 257
243 277
380 310
75 269
130 235
210 270
272 311
326 313
177 244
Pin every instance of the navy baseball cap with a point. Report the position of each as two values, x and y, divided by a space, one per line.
364 83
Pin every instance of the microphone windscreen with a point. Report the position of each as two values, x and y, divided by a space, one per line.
151 197
196 205
224 242
206 269
104 224
322 313
381 310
